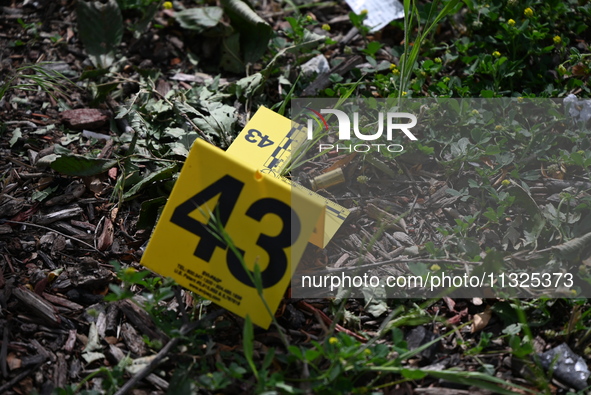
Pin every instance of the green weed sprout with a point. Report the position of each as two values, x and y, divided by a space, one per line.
411 54
37 76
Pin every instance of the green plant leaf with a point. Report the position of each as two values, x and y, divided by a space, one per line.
39 196
247 86
77 165
413 374
248 344
220 120
375 303
476 379
255 33
158 175
100 27
574 248
148 15
296 352
182 146
231 60
258 279
16 134
199 19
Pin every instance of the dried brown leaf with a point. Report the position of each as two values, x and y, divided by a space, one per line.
481 320
106 237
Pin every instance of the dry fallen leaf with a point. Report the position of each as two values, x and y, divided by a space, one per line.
481 320
112 173
451 304
13 362
105 239
487 161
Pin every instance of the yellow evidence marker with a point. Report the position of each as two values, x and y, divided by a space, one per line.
221 207
268 141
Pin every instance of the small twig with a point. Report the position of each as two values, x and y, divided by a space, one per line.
51 230
410 177
4 349
18 378
323 80
325 321
351 34
185 329
18 162
197 129
26 123
148 369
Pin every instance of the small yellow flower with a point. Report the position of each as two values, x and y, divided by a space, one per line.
528 12
435 267
363 12
511 22
396 72
393 66
557 40
437 60
505 183
404 93
520 99
309 18
367 351
333 340
496 54
326 27
499 127
167 5
474 112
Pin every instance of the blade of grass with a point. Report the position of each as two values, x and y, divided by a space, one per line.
248 345
476 379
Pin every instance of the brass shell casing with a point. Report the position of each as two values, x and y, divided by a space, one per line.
327 180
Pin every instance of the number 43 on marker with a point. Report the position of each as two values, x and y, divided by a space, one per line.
224 215
262 141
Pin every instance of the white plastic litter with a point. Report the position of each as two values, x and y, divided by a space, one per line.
379 12
580 110
318 64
